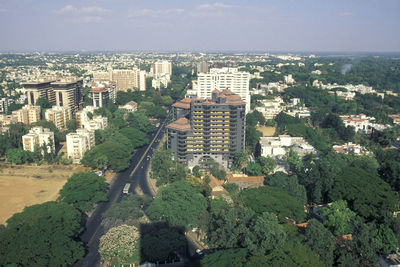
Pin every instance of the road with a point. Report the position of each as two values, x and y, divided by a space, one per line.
136 175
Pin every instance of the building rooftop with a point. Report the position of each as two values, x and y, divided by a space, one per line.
181 124
98 90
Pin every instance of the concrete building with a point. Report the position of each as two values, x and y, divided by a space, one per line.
280 145
202 67
215 128
68 93
39 89
350 148
93 122
362 123
6 120
129 107
59 116
78 143
27 114
4 104
161 67
160 80
225 78
37 137
102 92
271 107
123 79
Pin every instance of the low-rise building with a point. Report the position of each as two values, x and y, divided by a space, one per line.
59 116
27 114
350 148
78 143
362 123
129 107
96 123
39 137
271 107
280 145
6 120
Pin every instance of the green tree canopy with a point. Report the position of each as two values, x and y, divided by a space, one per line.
42 235
83 190
274 200
288 183
338 217
136 137
178 204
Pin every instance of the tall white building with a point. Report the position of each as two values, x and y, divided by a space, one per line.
39 136
224 78
161 67
78 143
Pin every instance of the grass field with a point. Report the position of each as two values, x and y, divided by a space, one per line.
25 185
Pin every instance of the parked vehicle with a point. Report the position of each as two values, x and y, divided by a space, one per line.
126 188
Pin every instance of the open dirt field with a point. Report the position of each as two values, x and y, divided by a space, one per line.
24 185
267 131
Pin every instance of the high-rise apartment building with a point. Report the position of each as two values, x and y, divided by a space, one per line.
214 128
202 67
161 67
68 93
39 136
102 92
39 89
78 143
27 114
59 116
225 78
123 79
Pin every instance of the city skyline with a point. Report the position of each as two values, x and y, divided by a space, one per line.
44 25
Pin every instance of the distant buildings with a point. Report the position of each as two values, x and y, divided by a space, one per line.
124 79
39 137
224 78
59 116
289 79
202 67
102 92
280 146
362 123
4 104
66 92
78 143
161 67
27 114
214 129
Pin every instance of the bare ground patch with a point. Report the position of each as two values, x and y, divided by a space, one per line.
27 185
267 130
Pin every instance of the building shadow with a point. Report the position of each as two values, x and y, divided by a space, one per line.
162 244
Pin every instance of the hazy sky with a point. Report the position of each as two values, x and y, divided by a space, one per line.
200 25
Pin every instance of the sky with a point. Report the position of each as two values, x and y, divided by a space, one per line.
200 25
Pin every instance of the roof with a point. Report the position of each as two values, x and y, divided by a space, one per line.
131 103
244 179
183 103
98 90
181 124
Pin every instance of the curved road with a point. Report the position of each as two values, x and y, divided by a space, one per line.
136 175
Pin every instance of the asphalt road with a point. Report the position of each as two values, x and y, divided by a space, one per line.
136 175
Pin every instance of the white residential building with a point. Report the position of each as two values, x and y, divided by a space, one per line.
161 67
271 107
39 136
123 79
129 107
27 114
279 146
160 80
97 123
361 122
224 78
78 143
289 79
102 92
59 116
350 148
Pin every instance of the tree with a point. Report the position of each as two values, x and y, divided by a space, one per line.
115 155
266 234
156 112
196 171
294 161
5 143
42 235
288 183
338 217
240 161
254 169
16 155
321 241
72 125
130 208
83 190
43 103
166 170
226 257
267 164
252 137
136 137
366 194
121 242
140 121
178 204
275 200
